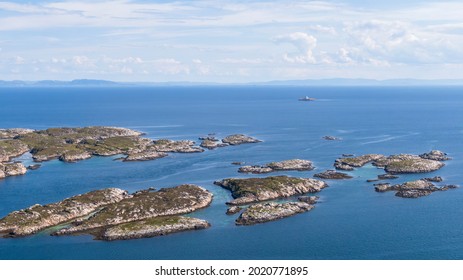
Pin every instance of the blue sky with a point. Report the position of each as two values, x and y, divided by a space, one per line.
230 41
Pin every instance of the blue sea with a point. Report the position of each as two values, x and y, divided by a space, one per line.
351 221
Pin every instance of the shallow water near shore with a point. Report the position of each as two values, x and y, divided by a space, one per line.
351 221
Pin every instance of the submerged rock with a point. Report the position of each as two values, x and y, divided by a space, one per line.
331 138
38 217
152 227
238 139
331 174
266 212
286 165
249 190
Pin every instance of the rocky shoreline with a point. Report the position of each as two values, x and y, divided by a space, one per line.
395 164
109 214
76 144
412 189
286 165
245 191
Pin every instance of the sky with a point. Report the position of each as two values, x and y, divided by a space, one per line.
230 41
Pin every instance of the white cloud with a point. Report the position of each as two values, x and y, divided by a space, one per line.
305 44
323 29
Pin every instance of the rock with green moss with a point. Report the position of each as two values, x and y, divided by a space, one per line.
12 169
405 163
286 165
212 144
250 190
238 139
435 155
145 205
38 217
151 227
10 149
266 212
11 133
412 189
145 155
348 163
182 146
333 175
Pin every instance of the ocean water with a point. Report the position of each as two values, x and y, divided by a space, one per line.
351 221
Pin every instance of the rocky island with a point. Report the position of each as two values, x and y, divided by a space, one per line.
395 164
270 211
286 165
332 174
245 191
111 214
75 144
412 189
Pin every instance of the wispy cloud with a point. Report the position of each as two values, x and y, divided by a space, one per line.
229 40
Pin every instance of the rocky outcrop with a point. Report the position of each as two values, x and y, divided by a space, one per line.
34 166
182 146
332 174
412 189
74 156
233 210
331 138
250 190
238 139
348 163
266 212
212 144
436 179
145 205
144 156
387 177
12 133
255 169
10 149
12 169
286 165
152 227
395 164
435 155
38 217
405 163
308 199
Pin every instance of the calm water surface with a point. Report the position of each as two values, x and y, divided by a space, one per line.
351 221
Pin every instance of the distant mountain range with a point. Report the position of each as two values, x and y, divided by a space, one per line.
321 82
